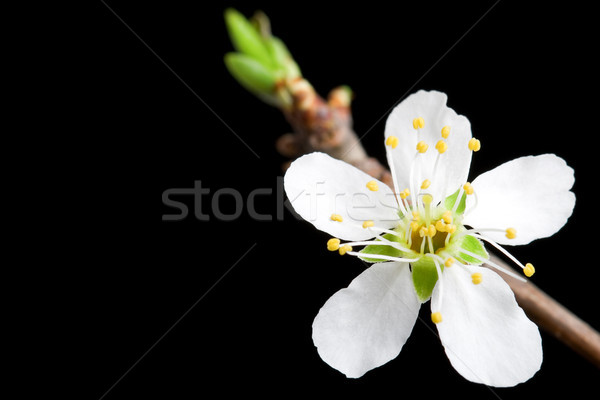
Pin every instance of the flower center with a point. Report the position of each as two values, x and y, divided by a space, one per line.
428 231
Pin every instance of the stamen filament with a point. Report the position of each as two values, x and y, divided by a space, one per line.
474 205
382 257
382 242
412 181
393 171
461 193
493 265
502 249
439 284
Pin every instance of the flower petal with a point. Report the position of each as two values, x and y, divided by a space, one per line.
453 164
319 186
530 194
365 325
486 335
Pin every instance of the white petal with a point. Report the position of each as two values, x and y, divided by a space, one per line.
530 194
486 335
453 166
366 325
318 186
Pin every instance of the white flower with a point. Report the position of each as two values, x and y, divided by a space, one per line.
425 240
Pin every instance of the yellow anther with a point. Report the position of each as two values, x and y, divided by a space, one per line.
373 186
511 233
468 188
449 261
427 198
446 132
422 147
423 231
426 183
529 270
333 244
344 249
476 278
436 317
447 217
440 226
418 123
441 146
416 215
404 194
368 224
414 225
474 144
431 231
336 217
391 141
451 228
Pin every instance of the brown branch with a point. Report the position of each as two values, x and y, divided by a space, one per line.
326 126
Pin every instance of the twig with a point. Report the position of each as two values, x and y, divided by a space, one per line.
326 126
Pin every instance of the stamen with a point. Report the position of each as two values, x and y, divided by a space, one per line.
440 226
458 199
418 123
493 265
412 177
449 261
529 270
479 230
345 249
382 230
441 146
333 244
436 317
373 186
447 217
391 141
422 147
511 233
445 132
403 202
473 206
474 144
382 242
383 257
468 188
503 250
337 217
426 183
476 278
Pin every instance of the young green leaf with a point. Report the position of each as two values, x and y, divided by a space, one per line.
282 59
245 38
250 73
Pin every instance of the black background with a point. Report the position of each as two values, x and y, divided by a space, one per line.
523 75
